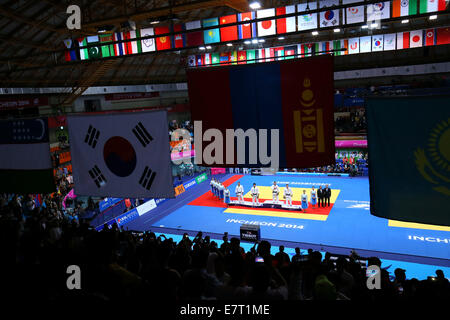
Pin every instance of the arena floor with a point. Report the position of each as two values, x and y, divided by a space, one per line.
347 224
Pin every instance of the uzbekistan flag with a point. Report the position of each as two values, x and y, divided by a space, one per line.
25 164
293 96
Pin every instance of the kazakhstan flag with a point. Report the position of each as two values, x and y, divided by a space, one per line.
211 35
409 154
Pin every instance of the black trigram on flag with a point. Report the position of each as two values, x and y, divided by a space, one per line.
147 178
142 134
97 176
92 136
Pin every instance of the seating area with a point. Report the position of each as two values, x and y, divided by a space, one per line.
121 265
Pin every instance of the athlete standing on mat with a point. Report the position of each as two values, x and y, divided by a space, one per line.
239 192
288 194
255 195
215 187
226 196
304 199
212 185
221 189
313 197
275 192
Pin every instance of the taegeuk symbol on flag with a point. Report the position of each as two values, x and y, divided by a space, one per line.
121 155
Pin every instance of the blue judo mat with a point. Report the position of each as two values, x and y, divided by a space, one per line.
349 224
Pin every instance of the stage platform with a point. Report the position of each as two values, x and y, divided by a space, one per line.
343 226
266 204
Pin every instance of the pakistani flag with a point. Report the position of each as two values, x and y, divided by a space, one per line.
410 159
25 162
93 52
121 155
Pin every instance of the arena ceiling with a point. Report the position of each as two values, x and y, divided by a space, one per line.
32 34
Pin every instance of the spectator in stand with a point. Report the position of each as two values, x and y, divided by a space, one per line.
282 257
345 159
298 256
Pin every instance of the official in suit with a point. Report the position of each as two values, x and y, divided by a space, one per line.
327 195
320 196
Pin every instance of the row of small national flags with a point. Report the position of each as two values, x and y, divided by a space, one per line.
383 42
99 46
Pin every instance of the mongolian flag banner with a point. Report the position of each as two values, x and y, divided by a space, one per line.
410 181
25 162
291 101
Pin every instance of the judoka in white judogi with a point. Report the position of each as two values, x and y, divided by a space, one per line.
275 192
288 194
239 192
255 195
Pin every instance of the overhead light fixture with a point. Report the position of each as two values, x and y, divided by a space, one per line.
314 33
261 40
374 25
202 48
337 30
405 21
255 5
229 44
433 17
128 25
247 42
280 38
154 22
365 26
254 41
104 29
208 47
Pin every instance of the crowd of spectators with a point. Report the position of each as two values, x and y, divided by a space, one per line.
350 162
353 121
40 239
39 243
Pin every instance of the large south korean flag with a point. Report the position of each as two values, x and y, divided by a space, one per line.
121 155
